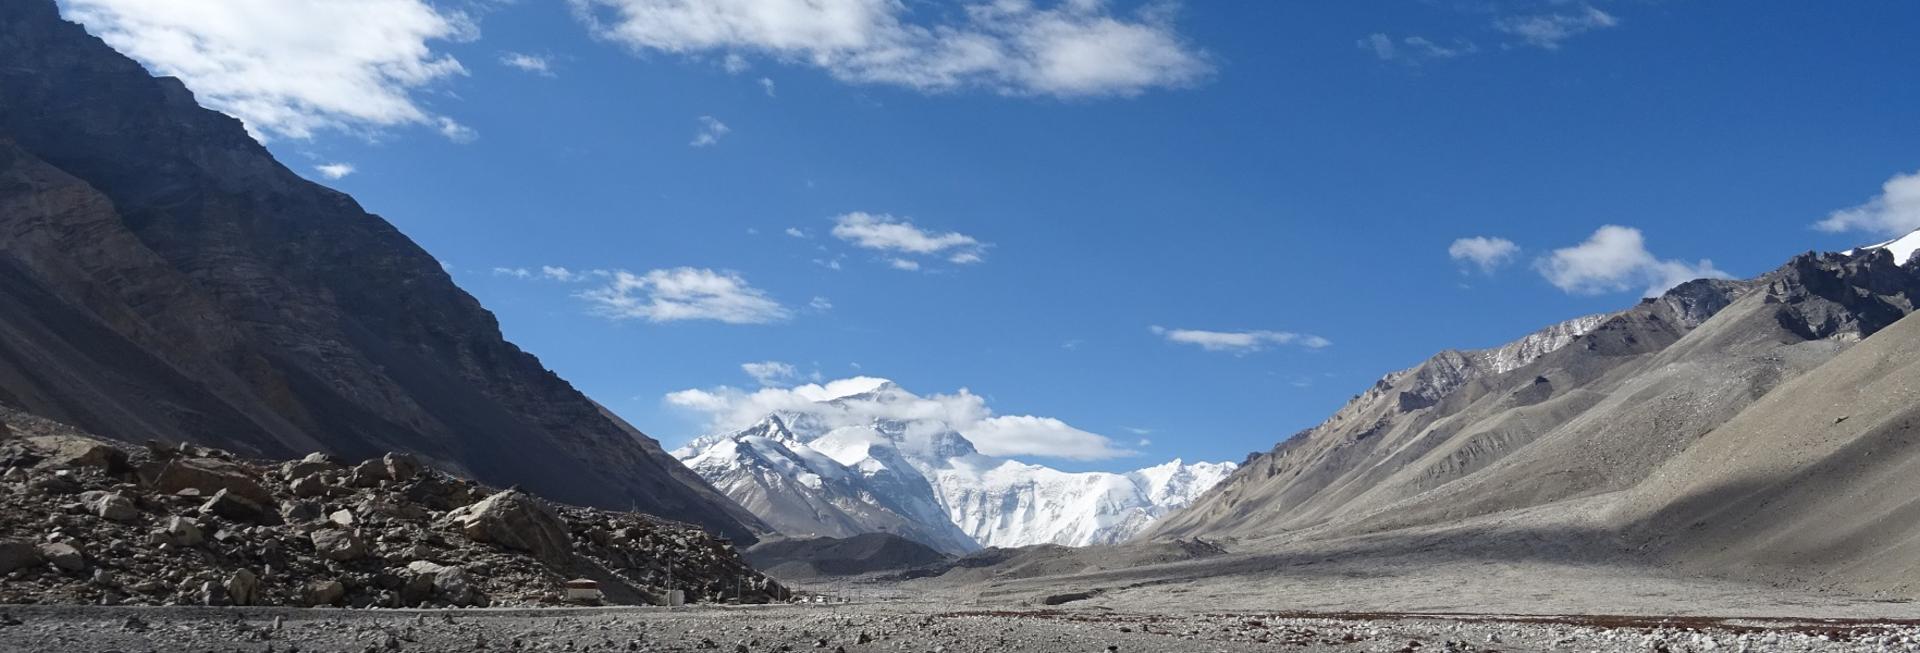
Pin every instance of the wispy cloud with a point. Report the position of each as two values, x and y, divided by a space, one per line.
1073 48
710 133
1616 259
1239 342
684 294
771 374
903 240
1549 30
535 64
1414 49
291 68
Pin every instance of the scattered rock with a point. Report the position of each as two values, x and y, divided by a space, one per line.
401 467
300 512
15 554
243 588
70 451
232 506
314 463
326 592
183 531
110 505
208 475
338 545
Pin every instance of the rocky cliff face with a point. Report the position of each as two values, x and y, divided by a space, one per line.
163 277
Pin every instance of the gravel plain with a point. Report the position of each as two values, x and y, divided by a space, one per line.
900 627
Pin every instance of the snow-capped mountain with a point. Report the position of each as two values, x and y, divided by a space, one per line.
1901 248
921 479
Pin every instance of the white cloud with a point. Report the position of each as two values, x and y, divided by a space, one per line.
334 170
517 273
290 68
1548 31
1486 253
1615 259
684 294
770 373
1074 48
456 132
796 232
766 84
535 64
711 131
1896 211
820 304
899 237
1239 342
859 401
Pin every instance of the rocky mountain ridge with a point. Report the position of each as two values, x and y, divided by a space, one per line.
1569 450
163 277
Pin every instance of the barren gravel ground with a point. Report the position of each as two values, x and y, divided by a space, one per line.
896 627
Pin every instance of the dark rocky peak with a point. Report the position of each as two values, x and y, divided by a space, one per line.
1692 303
1824 295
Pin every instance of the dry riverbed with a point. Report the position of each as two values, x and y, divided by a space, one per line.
898 628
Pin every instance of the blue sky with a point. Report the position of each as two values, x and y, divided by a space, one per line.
1199 227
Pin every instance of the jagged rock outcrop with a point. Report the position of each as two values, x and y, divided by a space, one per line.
163 277
429 539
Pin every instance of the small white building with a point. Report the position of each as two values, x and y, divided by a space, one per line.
581 590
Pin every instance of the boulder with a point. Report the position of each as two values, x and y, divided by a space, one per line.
235 507
15 554
59 482
212 593
63 556
308 487
184 531
243 588
314 463
300 512
111 506
325 592
401 467
449 583
338 545
70 451
342 518
514 520
208 475
368 474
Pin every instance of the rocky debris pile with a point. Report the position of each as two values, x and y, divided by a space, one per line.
85 520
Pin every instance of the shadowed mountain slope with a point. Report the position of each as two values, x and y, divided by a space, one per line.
163 277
